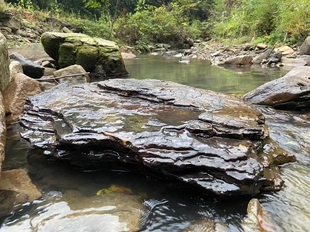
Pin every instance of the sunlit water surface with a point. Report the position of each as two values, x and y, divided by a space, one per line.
70 203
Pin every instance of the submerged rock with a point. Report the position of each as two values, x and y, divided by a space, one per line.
258 219
74 211
205 139
16 189
207 225
291 92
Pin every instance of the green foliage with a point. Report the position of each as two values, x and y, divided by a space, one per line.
176 21
275 21
165 24
34 4
3 6
294 20
94 4
94 28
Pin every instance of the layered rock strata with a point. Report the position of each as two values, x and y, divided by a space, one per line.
205 139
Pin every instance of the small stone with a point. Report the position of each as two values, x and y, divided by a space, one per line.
261 46
285 50
15 67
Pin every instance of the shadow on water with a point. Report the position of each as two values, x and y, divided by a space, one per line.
70 201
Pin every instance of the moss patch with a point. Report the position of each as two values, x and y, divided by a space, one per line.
87 56
67 54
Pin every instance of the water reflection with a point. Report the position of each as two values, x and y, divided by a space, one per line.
199 73
70 200
290 207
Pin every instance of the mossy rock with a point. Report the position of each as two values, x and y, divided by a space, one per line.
51 45
75 48
115 65
86 55
67 55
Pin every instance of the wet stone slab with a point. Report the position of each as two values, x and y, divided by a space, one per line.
205 139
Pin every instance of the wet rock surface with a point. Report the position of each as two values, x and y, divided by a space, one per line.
291 92
208 140
258 219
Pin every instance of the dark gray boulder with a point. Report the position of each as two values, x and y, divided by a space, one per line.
30 68
263 56
290 92
207 140
305 47
273 59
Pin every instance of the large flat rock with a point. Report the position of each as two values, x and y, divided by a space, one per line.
208 140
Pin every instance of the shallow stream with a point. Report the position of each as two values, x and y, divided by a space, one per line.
70 201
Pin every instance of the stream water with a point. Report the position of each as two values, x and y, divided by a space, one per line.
70 202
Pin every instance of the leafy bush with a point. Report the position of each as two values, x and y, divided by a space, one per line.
165 24
277 22
94 28
294 20
2 6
